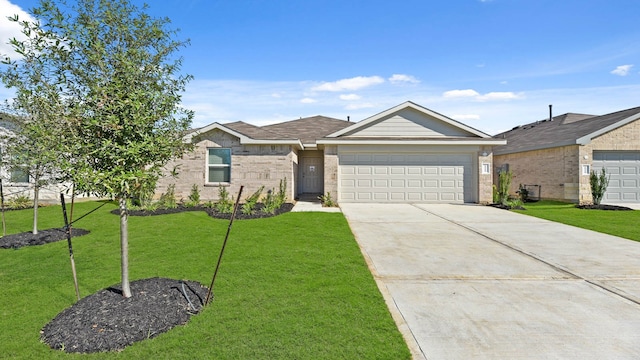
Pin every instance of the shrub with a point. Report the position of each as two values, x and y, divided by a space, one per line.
194 197
20 202
270 203
504 183
496 195
249 206
281 196
524 193
168 199
327 201
599 185
224 205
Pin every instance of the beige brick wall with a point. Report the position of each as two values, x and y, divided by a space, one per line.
251 166
331 170
485 181
556 170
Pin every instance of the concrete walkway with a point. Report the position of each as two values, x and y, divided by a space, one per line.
475 282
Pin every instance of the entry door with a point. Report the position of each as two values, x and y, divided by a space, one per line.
312 175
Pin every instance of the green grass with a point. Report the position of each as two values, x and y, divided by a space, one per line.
293 286
618 223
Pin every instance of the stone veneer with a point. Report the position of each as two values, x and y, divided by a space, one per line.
251 166
485 181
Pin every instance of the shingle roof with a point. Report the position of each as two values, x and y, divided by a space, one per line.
253 131
308 129
564 130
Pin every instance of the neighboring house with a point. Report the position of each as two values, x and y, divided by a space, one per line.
405 154
558 155
15 181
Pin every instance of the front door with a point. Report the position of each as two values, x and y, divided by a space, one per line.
312 174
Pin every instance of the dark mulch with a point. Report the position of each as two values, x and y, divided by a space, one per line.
15 241
106 321
258 214
507 207
603 207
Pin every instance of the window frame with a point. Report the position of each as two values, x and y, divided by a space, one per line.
586 169
485 168
218 166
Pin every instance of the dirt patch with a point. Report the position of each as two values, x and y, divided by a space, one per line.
106 321
15 241
603 207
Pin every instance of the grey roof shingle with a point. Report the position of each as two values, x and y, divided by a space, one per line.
308 129
564 130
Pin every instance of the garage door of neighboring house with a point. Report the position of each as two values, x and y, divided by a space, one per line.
624 170
406 177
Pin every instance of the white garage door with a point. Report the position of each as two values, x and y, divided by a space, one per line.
408 177
624 170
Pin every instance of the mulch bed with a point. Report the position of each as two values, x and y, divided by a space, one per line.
507 207
15 241
106 321
603 207
212 212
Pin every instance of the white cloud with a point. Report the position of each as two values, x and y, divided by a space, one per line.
463 117
402 78
10 29
460 93
502 95
472 94
350 97
354 83
622 70
359 106
308 101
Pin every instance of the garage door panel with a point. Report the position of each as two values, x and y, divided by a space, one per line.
623 169
406 177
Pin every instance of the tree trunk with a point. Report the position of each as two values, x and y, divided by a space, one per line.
36 195
124 247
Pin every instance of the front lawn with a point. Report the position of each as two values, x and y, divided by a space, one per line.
618 223
293 286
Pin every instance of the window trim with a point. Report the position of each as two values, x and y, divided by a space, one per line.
586 169
486 168
209 166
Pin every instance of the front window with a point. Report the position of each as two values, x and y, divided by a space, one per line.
18 176
219 165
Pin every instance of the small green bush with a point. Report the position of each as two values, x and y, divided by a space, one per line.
194 197
270 203
281 196
224 205
168 198
20 202
599 185
503 186
249 206
327 201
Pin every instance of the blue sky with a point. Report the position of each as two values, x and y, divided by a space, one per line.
492 64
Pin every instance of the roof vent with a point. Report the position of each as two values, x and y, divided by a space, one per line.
348 118
550 112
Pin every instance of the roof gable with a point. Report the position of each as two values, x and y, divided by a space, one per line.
409 120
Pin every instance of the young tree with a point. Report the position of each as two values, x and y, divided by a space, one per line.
120 83
35 110
599 185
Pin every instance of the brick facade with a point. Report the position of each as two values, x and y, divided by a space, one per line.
251 166
485 181
559 170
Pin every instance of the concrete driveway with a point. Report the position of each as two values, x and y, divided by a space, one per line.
475 282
